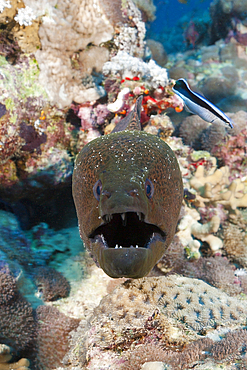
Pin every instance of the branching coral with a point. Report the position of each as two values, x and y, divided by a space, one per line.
216 188
189 227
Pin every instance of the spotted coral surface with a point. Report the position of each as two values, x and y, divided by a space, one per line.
192 302
168 313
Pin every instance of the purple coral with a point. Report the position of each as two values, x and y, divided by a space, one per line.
232 152
92 116
17 325
33 138
41 335
53 335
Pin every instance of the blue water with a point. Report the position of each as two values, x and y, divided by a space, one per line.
172 19
168 13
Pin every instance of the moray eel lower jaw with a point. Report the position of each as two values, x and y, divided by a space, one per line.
125 244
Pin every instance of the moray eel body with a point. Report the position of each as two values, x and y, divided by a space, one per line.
128 191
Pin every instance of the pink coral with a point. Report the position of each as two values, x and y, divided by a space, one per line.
232 152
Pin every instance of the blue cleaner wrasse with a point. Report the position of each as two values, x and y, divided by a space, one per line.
198 104
128 191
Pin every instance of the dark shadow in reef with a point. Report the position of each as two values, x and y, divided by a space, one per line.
54 207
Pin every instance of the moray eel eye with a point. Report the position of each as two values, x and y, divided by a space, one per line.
149 188
97 189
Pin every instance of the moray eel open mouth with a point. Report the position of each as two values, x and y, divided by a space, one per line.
128 240
126 230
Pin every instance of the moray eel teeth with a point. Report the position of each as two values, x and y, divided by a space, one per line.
126 230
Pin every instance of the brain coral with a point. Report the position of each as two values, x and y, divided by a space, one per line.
171 311
192 302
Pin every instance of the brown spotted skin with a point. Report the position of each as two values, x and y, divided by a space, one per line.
123 161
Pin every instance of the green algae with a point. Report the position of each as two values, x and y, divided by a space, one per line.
20 81
198 154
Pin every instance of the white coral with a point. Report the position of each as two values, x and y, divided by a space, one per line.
25 16
4 4
125 65
68 26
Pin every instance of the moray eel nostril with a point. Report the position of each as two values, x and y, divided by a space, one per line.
128 191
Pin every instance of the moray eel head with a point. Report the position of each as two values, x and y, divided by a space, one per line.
128 191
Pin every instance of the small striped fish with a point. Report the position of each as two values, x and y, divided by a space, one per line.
197 104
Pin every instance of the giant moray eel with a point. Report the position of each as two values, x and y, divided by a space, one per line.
128 191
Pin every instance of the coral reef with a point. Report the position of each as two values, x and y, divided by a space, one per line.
123 65
235 243
42 334
35 144
51 284
53 338
189 227
217 188
232 151
53 53
17 324
66 32
150 319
